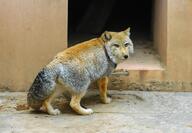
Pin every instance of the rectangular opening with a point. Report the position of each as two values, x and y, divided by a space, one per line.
89 19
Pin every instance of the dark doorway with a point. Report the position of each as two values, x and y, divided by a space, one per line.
89 18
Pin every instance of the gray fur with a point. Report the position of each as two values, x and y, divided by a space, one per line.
69 73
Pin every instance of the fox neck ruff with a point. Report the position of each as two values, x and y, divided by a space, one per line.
114 65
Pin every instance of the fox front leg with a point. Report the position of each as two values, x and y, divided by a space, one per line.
103 82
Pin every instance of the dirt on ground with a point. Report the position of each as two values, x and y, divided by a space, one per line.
129 112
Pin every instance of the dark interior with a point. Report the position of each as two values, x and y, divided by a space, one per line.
89 18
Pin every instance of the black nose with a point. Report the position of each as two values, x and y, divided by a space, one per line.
125 56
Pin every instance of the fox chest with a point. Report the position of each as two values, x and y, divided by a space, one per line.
98 68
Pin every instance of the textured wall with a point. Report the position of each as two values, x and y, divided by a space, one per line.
179 48
31 33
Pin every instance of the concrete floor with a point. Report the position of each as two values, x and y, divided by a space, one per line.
129 112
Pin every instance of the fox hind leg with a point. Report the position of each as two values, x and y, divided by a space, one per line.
76 106
47 104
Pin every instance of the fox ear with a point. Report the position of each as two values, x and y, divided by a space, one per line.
106 36
127 31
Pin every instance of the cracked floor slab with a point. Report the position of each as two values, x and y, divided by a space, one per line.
129 112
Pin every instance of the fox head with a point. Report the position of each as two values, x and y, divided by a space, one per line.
118 45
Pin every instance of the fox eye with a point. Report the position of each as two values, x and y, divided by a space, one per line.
127 44
116 45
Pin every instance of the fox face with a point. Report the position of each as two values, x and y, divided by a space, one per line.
118 44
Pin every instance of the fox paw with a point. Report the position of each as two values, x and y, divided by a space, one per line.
87 112
106 100
54 112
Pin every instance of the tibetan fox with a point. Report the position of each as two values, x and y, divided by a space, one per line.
76 67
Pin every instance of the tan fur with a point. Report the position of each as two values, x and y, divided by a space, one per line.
75 104
103 82
80 48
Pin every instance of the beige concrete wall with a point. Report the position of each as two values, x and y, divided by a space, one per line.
31 33
179 55
172 38
160 28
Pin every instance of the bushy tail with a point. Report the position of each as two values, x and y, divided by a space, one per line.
42 87
34 103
